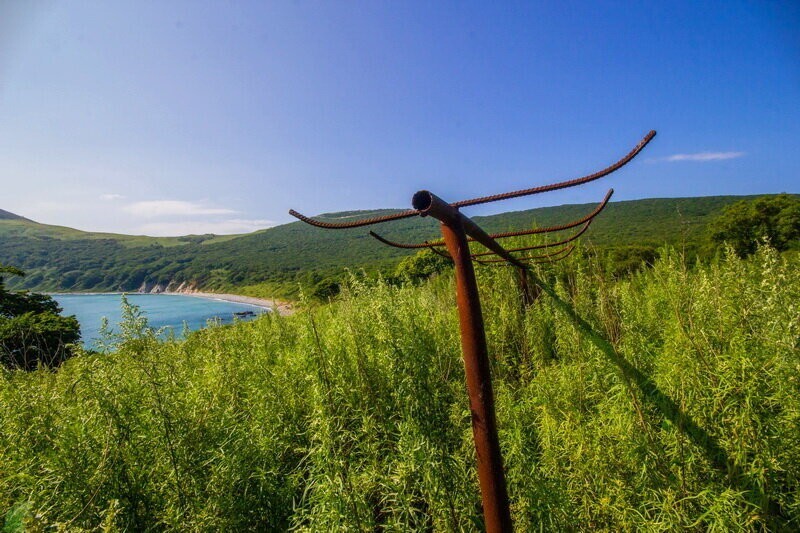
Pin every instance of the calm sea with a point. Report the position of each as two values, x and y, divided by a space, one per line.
162 310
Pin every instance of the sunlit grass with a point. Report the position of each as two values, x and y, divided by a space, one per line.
354 416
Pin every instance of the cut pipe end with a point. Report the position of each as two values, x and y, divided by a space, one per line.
422 201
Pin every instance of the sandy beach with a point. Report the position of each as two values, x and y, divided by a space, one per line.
282 308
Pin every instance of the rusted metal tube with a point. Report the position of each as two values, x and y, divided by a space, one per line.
458 231
428 204
526 294
496 513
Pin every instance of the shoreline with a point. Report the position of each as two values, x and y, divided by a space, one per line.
282 308
278 306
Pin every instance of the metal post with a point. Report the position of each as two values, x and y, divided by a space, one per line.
494 495
458 230
525 289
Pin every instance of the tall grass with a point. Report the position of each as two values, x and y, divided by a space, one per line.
354 416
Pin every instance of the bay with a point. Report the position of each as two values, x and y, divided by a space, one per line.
170 311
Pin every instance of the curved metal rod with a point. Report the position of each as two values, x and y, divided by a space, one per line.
549 229
553 255
484 199
439 252
563 184
386 241
546 245
355 223
569 252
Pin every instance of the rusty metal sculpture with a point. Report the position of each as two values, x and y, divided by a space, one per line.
457 232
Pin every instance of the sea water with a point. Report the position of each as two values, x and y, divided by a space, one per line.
174 312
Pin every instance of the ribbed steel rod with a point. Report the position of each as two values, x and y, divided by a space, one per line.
533 231
553 256
485 199
540 246
458 231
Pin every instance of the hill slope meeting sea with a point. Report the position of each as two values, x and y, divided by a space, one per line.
275 262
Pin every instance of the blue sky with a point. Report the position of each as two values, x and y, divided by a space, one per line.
168 118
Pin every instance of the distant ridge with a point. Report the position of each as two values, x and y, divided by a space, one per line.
281 258
8 215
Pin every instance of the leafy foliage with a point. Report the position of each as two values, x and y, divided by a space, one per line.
744 224
353 416
32 332
421 266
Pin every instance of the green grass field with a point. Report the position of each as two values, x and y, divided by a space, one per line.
353 416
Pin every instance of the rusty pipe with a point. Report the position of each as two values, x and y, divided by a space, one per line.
494 495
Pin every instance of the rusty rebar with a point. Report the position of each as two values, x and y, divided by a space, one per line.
485 199
534 231
554 256
439 252
564 184
545 245
458 231
356 223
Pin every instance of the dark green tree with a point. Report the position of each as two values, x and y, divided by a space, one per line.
32 331
421 266
326 288
744 224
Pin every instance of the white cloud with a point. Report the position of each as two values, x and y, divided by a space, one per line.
161 208
111 197
702 156
222 227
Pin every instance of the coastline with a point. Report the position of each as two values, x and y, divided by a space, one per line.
278 306
282 308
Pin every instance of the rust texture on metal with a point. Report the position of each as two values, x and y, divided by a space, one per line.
528 294
564 184
485 199
457 232
545 245
534 231
497 516
553 256
439 252
354 224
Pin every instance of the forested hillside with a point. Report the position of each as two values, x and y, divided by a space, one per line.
64 259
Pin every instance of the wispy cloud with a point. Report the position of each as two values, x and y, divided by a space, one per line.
161 208
110 197
701 156
222 227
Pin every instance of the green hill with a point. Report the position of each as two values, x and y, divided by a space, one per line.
12 225
65 259
7 215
